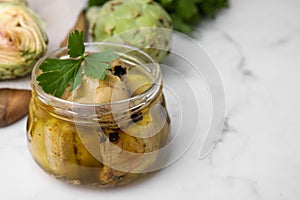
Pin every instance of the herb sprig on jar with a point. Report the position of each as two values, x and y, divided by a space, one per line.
59 73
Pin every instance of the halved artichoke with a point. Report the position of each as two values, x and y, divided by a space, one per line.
22 39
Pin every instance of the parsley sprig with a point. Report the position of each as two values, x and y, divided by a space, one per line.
59 73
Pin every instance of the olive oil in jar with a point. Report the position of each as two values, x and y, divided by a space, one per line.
104 133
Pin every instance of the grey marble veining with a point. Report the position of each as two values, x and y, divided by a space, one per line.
262 144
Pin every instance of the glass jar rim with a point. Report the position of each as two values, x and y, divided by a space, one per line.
155 87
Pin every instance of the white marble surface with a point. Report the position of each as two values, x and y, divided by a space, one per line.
256 46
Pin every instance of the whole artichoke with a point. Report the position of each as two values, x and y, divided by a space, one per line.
140 23
22 39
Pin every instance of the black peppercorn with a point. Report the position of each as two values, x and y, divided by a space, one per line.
113 136
119 71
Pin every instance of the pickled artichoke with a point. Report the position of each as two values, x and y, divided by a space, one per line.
22 39
108 152
140 23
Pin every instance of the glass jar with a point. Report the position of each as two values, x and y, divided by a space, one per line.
105 144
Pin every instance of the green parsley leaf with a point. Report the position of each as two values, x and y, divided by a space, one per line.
105 56
180 25
96 2
76 44
57 74
77 81
96 64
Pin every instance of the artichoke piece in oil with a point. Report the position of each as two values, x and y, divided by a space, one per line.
106 152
